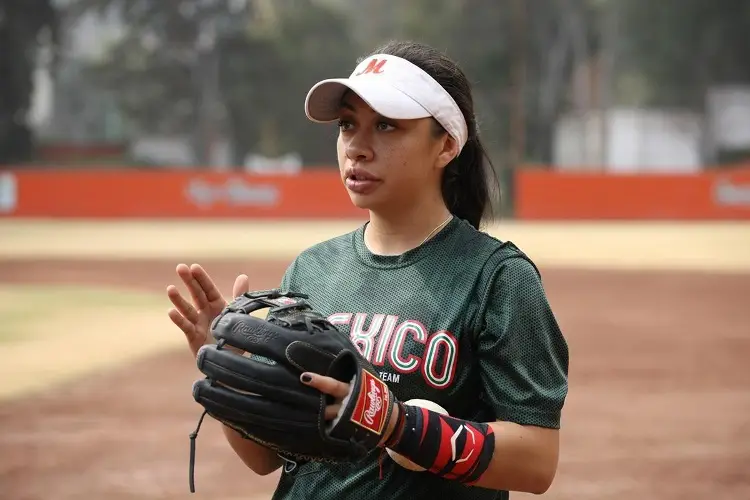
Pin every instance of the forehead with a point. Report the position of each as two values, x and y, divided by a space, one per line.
352 102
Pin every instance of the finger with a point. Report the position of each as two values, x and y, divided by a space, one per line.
182 305
328 385
194 288
241 285
332 411
207 286
183 324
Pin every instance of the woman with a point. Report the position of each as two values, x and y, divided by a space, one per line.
448 313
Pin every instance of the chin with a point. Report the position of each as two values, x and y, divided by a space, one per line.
371 201
368 200
365 202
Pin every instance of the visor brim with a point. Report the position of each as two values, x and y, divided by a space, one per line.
323 101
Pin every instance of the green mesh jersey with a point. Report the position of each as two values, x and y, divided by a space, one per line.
462 320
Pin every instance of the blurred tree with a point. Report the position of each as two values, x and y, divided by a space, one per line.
163 69
26 26
676 49
671 53
236 68
265 77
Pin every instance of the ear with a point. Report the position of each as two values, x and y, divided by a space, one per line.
448 150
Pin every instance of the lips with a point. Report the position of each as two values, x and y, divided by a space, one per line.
360 181
359 174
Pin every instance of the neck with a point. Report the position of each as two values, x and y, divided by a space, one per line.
405 229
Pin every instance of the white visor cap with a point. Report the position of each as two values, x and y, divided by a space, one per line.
394 88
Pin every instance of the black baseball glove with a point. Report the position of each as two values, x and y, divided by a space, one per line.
262 397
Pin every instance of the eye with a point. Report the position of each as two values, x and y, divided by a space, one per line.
345 125
384 126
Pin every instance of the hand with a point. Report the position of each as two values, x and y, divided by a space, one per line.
207 302
340 390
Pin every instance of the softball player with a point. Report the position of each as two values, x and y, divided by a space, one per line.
447 313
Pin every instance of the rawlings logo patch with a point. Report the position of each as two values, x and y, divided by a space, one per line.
283 301
372 403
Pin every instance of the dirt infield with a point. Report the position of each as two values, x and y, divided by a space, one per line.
659 406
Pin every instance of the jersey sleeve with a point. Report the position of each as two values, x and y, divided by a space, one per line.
288 278
523 356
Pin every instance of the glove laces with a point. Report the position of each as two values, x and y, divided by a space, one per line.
194 436
191 467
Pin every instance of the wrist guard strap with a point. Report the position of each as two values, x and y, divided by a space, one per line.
449 447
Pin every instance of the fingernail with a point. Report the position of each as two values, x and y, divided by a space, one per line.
306 378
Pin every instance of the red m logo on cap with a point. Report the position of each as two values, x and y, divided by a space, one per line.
374 66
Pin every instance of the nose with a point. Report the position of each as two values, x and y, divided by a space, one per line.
358 147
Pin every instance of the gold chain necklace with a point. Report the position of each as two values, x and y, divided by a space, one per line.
438 228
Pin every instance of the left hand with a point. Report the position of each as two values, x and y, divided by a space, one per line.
339 390
330 386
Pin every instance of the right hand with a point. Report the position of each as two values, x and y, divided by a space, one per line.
207 303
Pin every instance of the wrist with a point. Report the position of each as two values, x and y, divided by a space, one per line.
394 427
450 447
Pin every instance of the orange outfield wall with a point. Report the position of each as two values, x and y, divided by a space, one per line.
539 195
551 195
189 194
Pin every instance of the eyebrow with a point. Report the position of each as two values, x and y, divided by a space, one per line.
346 105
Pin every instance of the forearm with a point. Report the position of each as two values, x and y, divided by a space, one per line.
260 459
496 455
523 459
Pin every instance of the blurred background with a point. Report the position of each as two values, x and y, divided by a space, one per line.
566 85
137 134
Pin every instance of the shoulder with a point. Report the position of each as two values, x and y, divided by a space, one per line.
497 257
483 242
508 277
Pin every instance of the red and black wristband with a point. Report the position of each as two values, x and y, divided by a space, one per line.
449 447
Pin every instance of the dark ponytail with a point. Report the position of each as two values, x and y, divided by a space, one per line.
465 183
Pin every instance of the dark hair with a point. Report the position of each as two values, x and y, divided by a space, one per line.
464 185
